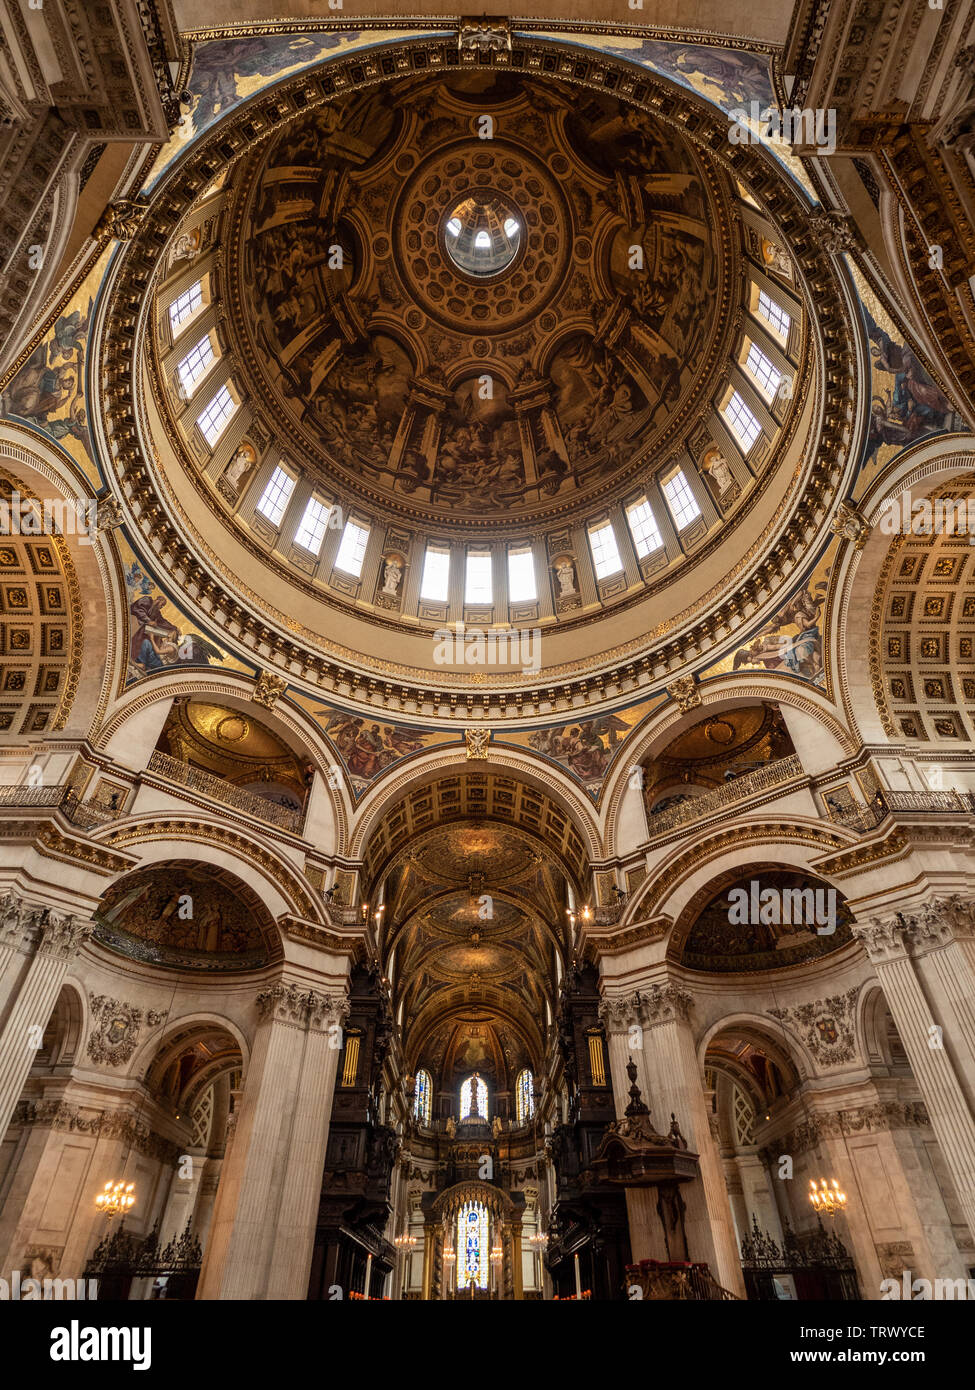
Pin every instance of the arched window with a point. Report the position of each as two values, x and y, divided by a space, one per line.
473 1099
525 1097
472 1244
423 1097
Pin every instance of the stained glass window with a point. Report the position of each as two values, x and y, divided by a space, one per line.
467 1093
472 1245
525 1096
423 1097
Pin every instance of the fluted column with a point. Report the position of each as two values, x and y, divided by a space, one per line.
268 1193
668 1062
923 961
305 1157
55 937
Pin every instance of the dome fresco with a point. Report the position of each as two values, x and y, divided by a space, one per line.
487 656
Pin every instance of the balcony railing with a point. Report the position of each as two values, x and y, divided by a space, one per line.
888 803
218 790
85 814
763 779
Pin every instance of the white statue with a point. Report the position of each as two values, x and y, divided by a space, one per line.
392 574
238 466
719 471
566 575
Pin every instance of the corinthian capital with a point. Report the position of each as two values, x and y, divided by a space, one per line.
288 1002
63 933
20 922
619 1011
326 1010
666 1004
882 937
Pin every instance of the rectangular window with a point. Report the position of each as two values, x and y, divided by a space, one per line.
311 531
774 315
194 365
767 376
435 583
214 419
741 422
643 528
276 496
478 588
352 550
605 552
185 305
521 576
681 500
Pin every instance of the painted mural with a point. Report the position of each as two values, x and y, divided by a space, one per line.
586 748
160 637
366 748
906 405
48 392
792 642
732 79
226 72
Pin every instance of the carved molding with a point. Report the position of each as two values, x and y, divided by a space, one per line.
289 1003
826 1026
863 1119
117 1028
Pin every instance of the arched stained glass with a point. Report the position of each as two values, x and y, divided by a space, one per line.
423 1097
525 1096
473 1099
472 1245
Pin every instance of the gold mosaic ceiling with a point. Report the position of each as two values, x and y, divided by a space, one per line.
453 393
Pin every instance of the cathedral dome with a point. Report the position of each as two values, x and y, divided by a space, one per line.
481 348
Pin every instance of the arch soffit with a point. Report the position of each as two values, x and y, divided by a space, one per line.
523 766
918 470
279 885
798 845
46 472
473 1190
165 1036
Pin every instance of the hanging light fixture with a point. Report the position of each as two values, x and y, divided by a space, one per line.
827 1197
116 1198
405 1241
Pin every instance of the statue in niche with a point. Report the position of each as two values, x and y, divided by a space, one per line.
719 471
566 575
238 466
392 575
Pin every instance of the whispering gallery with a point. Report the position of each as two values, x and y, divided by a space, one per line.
487 651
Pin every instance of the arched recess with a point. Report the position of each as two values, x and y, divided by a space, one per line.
186 915
797 843
881 1041
820 736
173 1035
66 1029
276 881
89 609
863 576
132 726
706 936
788 1052
521 768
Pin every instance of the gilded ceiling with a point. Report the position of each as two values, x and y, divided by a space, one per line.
447 392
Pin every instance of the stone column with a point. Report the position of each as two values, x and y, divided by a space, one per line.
924 962
272 1172
58 936
667 1063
